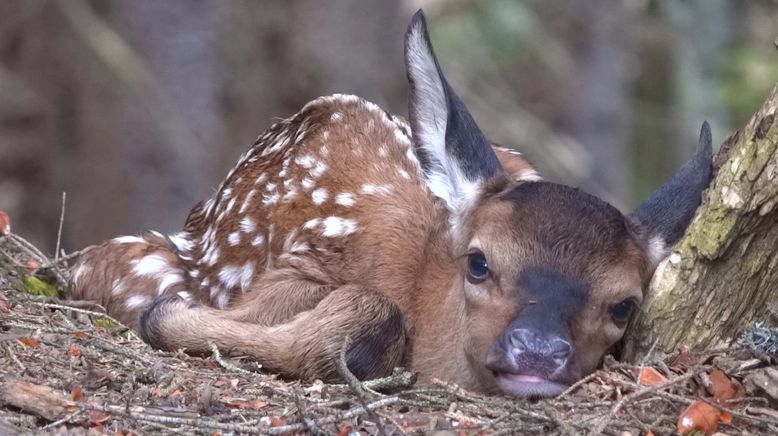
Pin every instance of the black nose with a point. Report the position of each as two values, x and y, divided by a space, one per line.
531 346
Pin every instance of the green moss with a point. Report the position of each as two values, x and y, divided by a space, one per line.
36 286
106 323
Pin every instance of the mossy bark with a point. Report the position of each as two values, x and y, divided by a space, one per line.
723 274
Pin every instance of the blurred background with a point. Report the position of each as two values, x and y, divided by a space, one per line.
138 109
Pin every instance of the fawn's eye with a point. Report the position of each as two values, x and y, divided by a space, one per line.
622 311
477 268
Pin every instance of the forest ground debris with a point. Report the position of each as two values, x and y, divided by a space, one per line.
96 377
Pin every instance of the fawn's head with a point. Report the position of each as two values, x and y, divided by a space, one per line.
549 275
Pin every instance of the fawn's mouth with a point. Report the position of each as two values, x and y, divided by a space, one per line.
528 385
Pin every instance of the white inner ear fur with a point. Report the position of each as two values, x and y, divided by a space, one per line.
657 250
443 177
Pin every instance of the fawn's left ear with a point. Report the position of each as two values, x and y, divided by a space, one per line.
456 157
666 213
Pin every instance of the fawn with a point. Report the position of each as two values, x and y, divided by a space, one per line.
418 244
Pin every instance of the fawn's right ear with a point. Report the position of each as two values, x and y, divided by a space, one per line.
666 213
456 157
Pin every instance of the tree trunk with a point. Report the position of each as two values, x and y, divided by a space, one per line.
723 274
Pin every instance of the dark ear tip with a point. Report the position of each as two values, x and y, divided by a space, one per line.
418 25
706 141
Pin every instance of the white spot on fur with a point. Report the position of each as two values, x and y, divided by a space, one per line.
306 161
319 196
345 199
370 188
311 223
136 301
223 300
382 151
270 187
230 275
150 265
246 275
247 200
169 280
308 184
181 241
268 200
80 271
257 240
324 151
233 239
212 256
247 225
336 116
319 169
128 240
335 226
117 287
404 174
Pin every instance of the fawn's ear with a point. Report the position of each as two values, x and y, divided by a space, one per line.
456 157
666 213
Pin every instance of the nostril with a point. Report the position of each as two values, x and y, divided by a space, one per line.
560 350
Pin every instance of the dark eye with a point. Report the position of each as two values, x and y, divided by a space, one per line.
477 268
622 311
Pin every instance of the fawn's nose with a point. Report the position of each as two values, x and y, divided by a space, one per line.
531 349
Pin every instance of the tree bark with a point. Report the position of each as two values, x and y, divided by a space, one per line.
723 274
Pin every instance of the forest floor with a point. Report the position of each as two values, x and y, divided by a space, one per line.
67 368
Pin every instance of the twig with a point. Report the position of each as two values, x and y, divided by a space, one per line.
355 385
217 356
14 358
578 384
598 429
59 230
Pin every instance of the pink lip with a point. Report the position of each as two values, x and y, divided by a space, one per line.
526 378
526 385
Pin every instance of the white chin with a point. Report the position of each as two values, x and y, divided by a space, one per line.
528 385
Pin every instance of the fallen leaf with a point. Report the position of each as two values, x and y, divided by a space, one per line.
650 376
698 416
682 360
4 305
74 351
257 404
725 417
5 223
723 388
649 433
345 430
76 394
96 417
81 335
30 342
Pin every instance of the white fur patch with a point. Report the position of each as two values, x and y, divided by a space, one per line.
136 301
230 275
233 239
319 169
246 275
150 265
319 196
169 280
128 240
247 225
657 249
345 199
335 226
257 240
308 184
370 188
181 241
